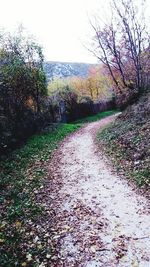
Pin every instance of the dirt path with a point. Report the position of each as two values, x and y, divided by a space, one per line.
99 219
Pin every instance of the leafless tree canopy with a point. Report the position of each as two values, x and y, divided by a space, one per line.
122 45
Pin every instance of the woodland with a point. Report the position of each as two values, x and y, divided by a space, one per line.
37 115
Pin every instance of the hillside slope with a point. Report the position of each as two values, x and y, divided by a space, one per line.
127 141
65 69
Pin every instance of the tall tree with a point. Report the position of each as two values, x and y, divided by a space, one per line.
21 71
121 43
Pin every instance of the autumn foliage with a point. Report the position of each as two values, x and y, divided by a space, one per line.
122 46
97 85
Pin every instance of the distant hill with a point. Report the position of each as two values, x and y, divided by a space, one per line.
65 69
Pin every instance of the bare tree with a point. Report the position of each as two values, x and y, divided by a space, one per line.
121 43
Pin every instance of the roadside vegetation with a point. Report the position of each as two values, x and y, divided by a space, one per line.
96 117
28 105
122 45
22 174
127 142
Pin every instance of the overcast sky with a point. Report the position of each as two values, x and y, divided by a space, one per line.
60 26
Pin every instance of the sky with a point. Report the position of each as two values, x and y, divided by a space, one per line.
61 26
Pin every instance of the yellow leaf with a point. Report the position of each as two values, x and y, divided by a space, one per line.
29 257
48 256
39 246
3 224
18 224
93 249
24 264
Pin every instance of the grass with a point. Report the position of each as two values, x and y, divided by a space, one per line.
123 141
96 117
23 172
